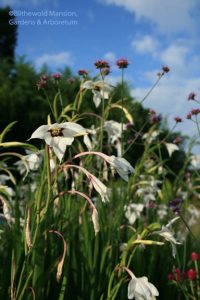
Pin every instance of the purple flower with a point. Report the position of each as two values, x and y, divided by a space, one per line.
175 205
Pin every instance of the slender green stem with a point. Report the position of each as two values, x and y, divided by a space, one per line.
122 115
151 89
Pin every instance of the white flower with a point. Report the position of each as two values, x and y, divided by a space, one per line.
169 235
122 166
141 289
95 220
99 89
32 161
133 212
58 136
171 148
114 130
151 136
99 187
4 178
161 211
195 161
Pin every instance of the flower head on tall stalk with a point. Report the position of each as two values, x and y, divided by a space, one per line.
140 288
100 90
58 136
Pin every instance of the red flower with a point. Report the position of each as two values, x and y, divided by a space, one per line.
194 256
191 274
122 63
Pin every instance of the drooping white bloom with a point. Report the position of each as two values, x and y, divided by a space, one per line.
141 289
168 235
133 212
99 187
95 220
58 136
171 148
121 165
99 89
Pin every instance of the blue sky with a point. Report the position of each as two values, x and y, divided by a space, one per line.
149 33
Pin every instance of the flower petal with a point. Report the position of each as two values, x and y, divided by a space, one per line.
40 132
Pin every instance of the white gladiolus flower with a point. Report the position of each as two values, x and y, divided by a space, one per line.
114 130
58 136
169 235
171 148
99 89
122 166
141 289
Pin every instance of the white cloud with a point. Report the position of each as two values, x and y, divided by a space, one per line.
110 56
145 44
61 59
169 16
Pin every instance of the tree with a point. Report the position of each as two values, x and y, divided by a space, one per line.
8 36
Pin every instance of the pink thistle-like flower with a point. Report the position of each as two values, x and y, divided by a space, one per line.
100 64
82 72
177 119
56 76
191 96
122 63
